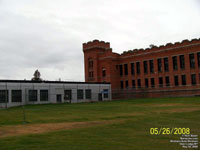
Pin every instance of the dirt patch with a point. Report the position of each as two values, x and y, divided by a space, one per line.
165 105
48 127
179 110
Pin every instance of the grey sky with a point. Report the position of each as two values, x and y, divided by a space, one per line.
48 34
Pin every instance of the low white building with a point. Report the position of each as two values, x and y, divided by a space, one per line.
22 92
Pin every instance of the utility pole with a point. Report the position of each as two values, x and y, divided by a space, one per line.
23 106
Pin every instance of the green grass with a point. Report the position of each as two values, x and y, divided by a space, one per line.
139 116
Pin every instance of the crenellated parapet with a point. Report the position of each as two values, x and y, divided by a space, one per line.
96 44
162 47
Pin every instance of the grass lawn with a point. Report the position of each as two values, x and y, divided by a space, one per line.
113 125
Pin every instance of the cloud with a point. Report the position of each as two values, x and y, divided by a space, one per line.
48 35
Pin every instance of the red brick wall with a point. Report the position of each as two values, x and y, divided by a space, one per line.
103 58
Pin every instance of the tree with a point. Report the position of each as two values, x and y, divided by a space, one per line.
152 46
36 76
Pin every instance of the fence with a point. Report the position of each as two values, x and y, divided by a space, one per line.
171 91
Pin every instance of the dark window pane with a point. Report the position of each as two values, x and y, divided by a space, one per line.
175 66
79 94
103 72
160 81
193 79
126 69
176 80
183 78
68 94
133 83
121 84
3 96
145 67
192 61
138 67
32 95
132 68
152 82
182 61
44 95
105 93
126 83
88 93
198 58
151 66
166 65
90 63
167 81
121 69
139 83
146 83
159 61
16 95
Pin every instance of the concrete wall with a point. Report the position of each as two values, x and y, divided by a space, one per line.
53 90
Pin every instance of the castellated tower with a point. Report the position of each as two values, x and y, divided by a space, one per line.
98 59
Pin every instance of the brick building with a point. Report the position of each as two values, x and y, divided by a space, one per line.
167 70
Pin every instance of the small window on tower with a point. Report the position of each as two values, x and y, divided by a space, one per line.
90 63
103 72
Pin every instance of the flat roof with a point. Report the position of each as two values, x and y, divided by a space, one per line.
57 82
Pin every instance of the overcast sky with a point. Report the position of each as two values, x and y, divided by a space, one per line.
48 34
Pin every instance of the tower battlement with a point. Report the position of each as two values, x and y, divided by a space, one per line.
163 47
96 44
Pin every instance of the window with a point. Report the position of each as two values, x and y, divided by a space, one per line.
126 83
79 94
105 93
103 72
16 95
68 94
3 96
166 65
167 81
121 84
151 66
90 63
182 61
199 77
183 78
88 93
138 67
193 79
174 59
126 69
146 83
176 80
132 68
198 58
133 84
192 61
159 64
139 83
44 95
91 74
145 67
121 70
32 95
152 82
160 82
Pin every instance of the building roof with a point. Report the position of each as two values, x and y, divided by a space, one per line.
56 82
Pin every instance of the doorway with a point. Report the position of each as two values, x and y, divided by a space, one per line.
59 98
100 97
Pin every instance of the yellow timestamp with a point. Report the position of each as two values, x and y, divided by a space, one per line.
169 131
